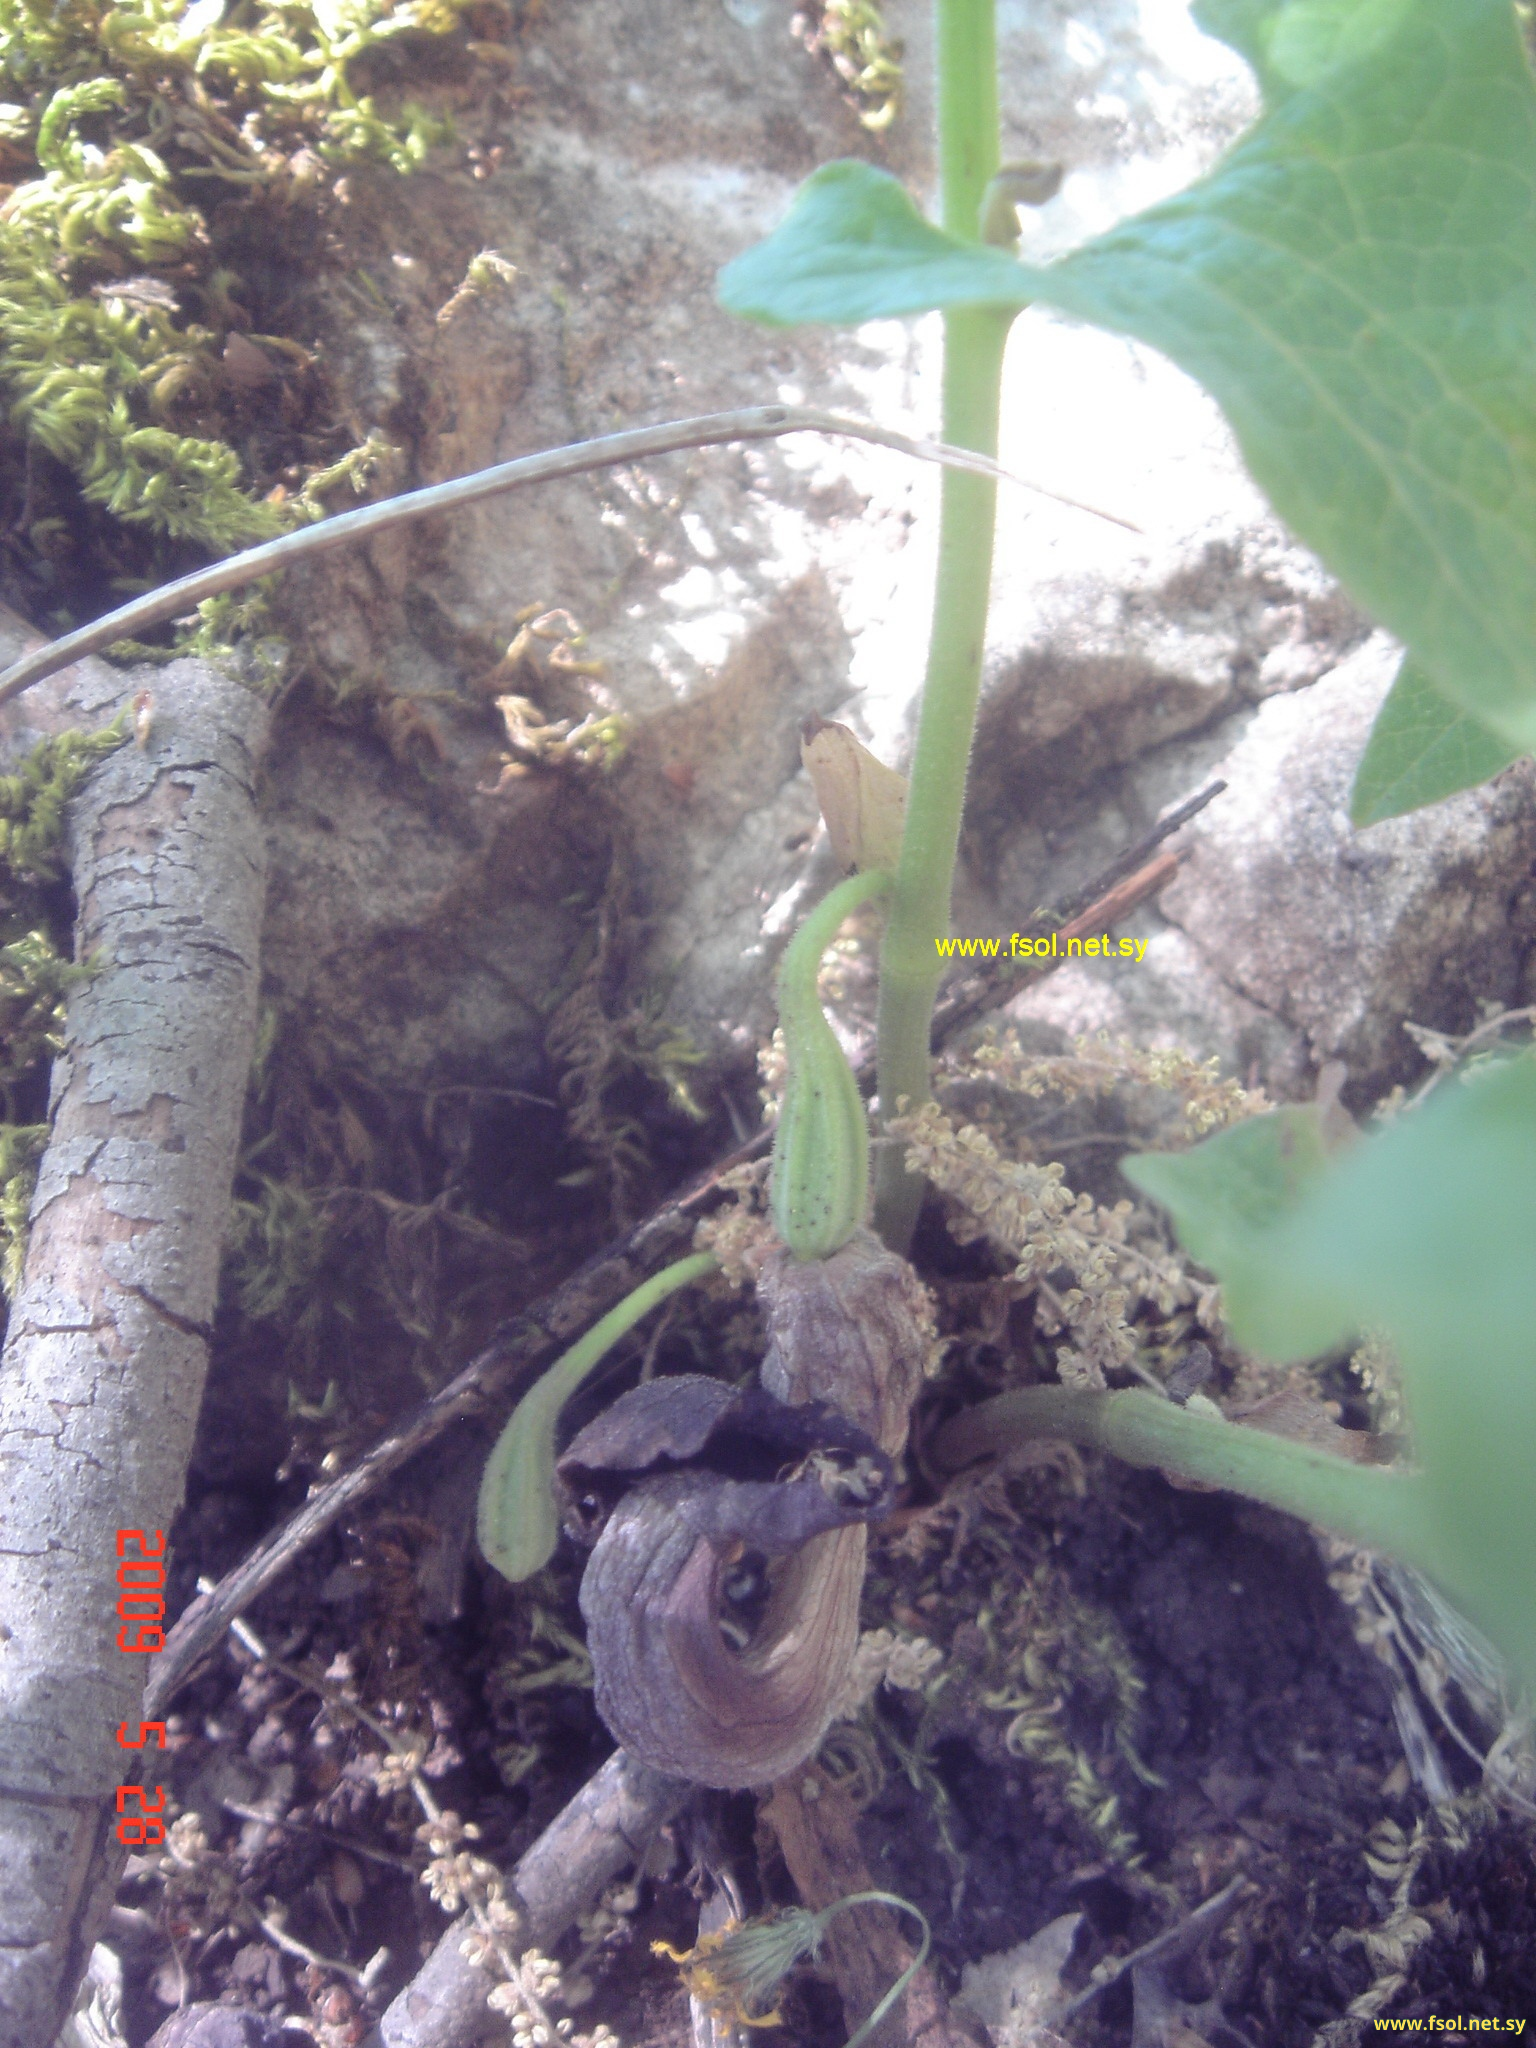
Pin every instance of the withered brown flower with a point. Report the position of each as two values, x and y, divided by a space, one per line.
722 1597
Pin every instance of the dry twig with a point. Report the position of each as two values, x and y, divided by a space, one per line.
709 430
605 1829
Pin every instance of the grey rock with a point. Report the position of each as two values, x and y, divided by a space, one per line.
733 592
1289 938
222 2026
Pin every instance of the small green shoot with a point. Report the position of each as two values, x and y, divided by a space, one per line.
516 1522
820 1185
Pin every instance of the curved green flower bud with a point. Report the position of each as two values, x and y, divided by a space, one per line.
820 1183
515 1519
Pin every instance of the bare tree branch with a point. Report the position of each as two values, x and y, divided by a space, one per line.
105 1356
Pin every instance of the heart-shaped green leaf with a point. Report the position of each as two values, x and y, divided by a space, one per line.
854 247
1230 1194
1426 1231
1421 748
1355 283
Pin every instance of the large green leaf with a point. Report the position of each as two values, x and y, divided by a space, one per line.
854 247
1421 748
1228 1197
1426 1231
1356 284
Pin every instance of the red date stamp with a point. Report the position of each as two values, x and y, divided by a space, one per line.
141 1610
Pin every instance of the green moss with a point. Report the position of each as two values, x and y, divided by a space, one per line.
127 112
275 1248
116 120
32 800
21 1147
1056 1660
35 981
852 34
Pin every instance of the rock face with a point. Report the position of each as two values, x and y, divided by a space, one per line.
1289 938
730 593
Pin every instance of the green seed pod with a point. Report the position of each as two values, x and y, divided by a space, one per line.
820 1184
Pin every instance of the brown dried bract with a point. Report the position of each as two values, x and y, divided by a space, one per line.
852 1330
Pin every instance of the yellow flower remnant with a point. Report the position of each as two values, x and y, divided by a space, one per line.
737 1967
723 1971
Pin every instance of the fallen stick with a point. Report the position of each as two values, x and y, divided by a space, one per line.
1176 1941
517 1352
1114 892
816 1826
107 1344
606 1828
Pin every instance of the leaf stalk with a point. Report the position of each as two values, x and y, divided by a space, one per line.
1370 1505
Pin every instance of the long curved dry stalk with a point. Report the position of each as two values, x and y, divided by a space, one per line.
707 430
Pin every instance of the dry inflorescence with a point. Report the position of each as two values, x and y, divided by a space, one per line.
739 1233
529 1982
1097 1066
1029 1211
886 1657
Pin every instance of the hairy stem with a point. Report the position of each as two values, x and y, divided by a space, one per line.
820 1183
974 340
965 43
1382 1509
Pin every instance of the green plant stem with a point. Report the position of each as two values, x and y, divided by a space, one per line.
965 53
974 340
888 2002
1366 1504
819 1189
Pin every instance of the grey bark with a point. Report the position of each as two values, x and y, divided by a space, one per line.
103 1367
605 1829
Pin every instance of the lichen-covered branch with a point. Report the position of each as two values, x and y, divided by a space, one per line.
105 1356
